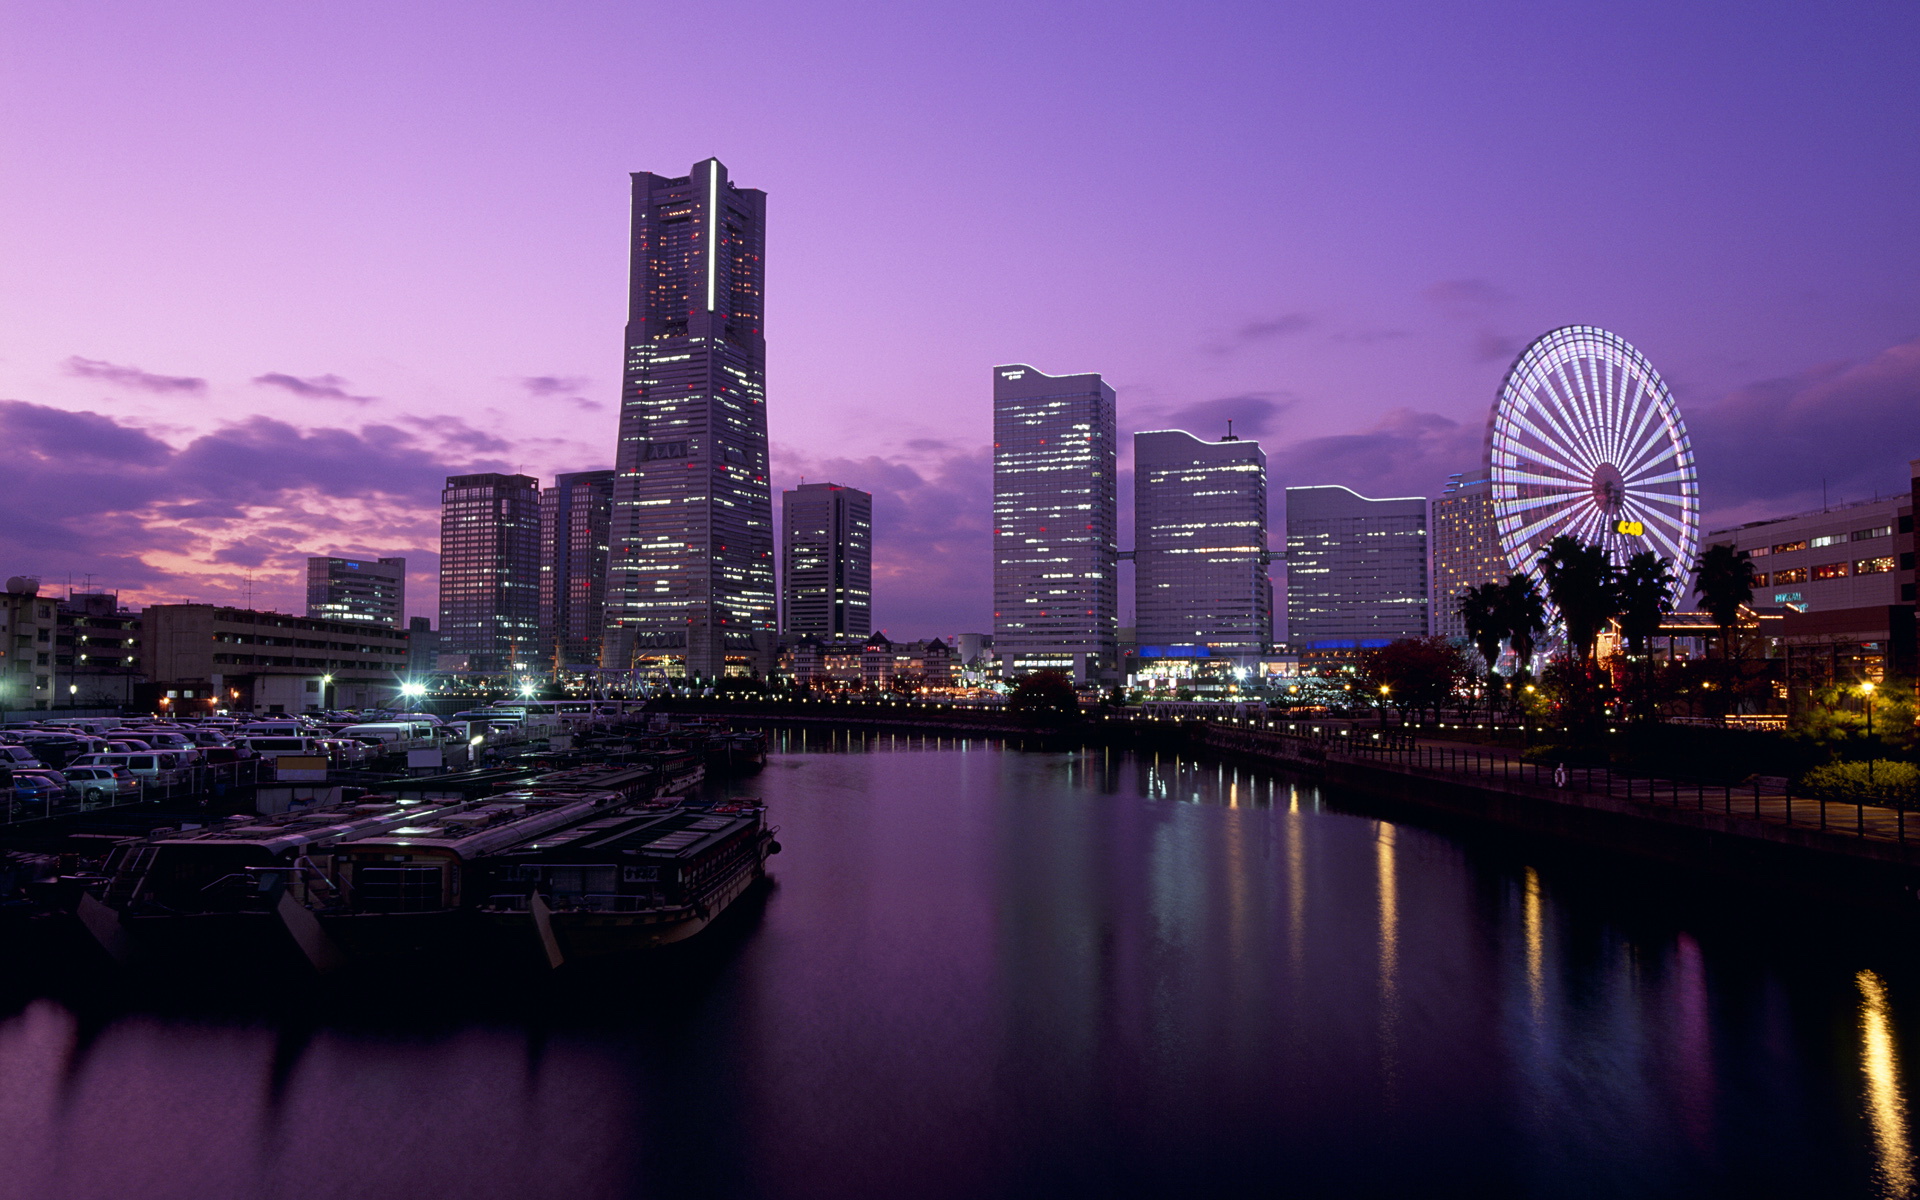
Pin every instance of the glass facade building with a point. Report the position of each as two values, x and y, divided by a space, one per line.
1466 547
576 516
1356 569
490 571
826 561
1200 538
1055 591
690 581
357 589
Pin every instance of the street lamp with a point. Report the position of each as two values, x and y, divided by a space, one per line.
1384 689
1866 689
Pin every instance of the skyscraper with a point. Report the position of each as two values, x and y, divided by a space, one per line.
1356 569
1466 547
1200 537
690 586
490 570
826 561
356 589
576 514
1055 590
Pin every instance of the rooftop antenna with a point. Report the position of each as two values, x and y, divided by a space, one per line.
249 601
1229 437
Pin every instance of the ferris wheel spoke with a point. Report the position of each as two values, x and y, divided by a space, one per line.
1579 424
1644 441
1586 388
1562 439
1647 482
1541 454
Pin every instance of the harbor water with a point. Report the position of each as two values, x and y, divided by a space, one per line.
981 971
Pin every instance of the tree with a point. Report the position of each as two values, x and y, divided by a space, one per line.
1417 673
1646 596
1044 697
1480 609
1523 615
1723 582
1583 585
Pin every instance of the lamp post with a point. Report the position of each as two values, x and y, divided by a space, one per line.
1866 689
1384 689
326 693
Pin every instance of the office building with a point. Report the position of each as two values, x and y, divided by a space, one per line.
1466 547
199 657
357 589
1356 570
423 647
1055 592
826 561
576 516
490 571
1200 537
690 587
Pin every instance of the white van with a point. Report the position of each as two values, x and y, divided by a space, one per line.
148 767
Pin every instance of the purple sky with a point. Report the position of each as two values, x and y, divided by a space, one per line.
271 271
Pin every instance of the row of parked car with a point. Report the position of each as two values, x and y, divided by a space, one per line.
102 760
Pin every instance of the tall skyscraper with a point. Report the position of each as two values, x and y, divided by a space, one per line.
1466 547
826 561
490 570
576 515
1356 569
1055 592
356 589
1200 538
690 588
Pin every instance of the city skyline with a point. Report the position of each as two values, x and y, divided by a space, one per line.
1359 326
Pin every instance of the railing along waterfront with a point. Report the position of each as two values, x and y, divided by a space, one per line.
1767 800
200 779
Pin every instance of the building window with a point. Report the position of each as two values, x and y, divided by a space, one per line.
1759 579
1789 547
1829 539
1796 575
1830 571
1873 566
1878 531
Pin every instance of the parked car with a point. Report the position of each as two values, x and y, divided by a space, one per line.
148 767
35 791
18 756
98 785
170 740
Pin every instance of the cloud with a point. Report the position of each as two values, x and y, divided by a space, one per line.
93 368
1405 453
1253 415
1765 449
1466 298
1263 331
552 385
92 494
1489 346
453 433
317 387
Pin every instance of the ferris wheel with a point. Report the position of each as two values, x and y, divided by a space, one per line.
1586 439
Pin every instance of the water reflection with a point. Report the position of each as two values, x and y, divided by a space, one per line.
988 972
1886 1106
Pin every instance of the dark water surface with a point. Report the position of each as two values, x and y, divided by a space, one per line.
984 972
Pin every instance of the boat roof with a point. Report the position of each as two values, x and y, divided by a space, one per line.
677 833
293 831
491 825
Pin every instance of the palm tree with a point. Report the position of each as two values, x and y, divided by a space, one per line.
1583 585
1480 611
1646 597
1722 582
1523 615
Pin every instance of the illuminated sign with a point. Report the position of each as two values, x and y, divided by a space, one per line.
1630 528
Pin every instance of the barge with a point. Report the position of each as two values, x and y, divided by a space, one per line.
624 884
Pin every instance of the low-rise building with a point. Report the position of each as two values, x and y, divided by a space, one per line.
96 652
210 655
1857 555
27 624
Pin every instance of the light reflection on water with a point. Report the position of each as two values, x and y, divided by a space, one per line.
1886 1104
987 972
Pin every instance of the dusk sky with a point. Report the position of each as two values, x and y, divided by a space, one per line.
272 271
